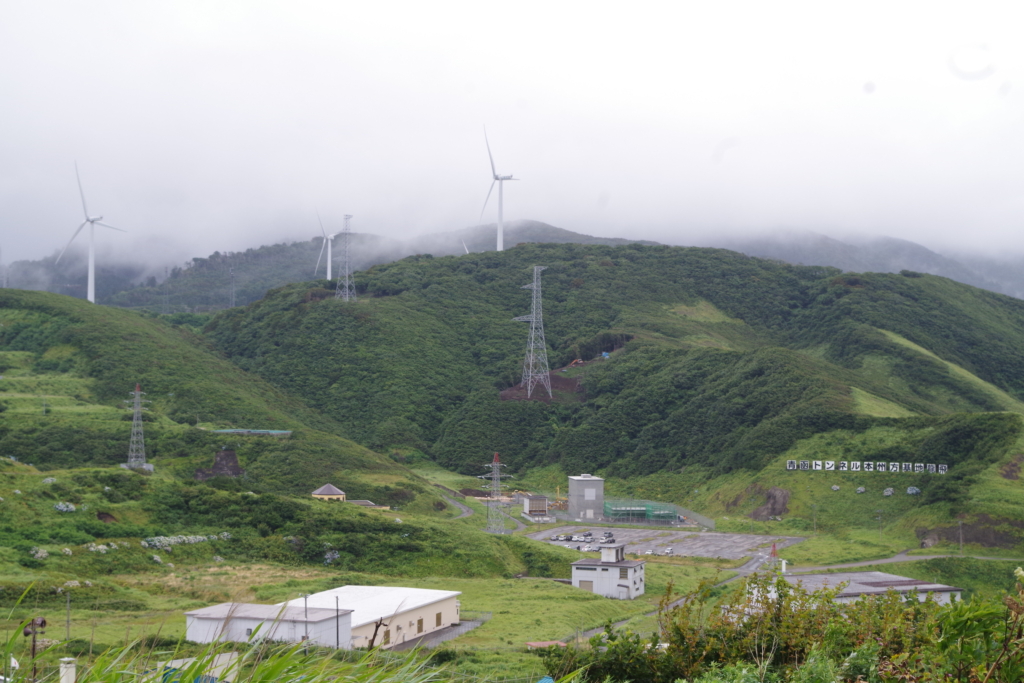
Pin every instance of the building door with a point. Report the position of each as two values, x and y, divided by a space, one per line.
590 514
623 593
587 586
419 625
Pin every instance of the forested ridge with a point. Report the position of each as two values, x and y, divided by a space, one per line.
718 359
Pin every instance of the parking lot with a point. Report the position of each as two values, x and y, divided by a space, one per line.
681 542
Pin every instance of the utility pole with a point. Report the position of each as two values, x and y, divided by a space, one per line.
232 271
879 525
67 620
346 290
535 367
337 629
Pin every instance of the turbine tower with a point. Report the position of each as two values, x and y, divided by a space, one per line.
326 245
500 179
495 519
346 290
535 367
137 445
92 222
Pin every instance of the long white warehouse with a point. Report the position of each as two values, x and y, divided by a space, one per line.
397 614
238 622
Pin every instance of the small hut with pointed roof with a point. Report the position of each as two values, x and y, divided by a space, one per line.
329 492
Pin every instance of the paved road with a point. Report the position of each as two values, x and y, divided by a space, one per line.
466 510
677 541
898 557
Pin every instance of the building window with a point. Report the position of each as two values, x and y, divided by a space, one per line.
419 626
248 631
387 637
623 572
437 619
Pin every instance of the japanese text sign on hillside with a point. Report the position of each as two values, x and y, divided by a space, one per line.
866 466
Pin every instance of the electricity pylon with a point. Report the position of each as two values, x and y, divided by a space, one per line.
495 518
137 445
535 367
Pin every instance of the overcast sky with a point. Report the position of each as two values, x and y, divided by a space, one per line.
222 125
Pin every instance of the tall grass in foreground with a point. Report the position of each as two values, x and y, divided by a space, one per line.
257 662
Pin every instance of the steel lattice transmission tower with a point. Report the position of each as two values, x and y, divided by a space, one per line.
495 518
346 290
137 446
535 367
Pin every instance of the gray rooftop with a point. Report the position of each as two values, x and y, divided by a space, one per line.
866 583
596 562
244 610
328 490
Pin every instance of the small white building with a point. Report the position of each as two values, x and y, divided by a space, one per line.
535 509
612 576
403 613
856 585
238 622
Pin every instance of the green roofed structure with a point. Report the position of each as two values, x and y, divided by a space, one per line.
639 511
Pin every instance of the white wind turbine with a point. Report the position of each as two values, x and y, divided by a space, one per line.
92 222
500 179
327 244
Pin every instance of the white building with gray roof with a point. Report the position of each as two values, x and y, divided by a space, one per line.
856 585
611 575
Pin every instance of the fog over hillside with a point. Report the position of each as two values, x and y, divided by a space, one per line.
205 283
204 127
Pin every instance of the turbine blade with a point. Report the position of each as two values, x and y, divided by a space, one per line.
488 198
81 192
322 247
464 246
489 155
109 226
85 223
321 225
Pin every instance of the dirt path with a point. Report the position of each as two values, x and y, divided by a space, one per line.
466 510
898 557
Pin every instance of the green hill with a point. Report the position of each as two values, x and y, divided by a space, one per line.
720 363
66 367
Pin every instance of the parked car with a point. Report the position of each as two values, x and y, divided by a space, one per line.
556 537
607 534
607 541
588 549
649 552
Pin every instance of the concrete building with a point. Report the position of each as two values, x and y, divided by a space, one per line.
586 497
403 613
535 509
329 492
612 576
238 622
859 584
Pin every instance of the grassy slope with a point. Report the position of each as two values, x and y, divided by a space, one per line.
734 365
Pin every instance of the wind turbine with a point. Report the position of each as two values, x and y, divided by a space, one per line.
500 179
327 244
92 222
